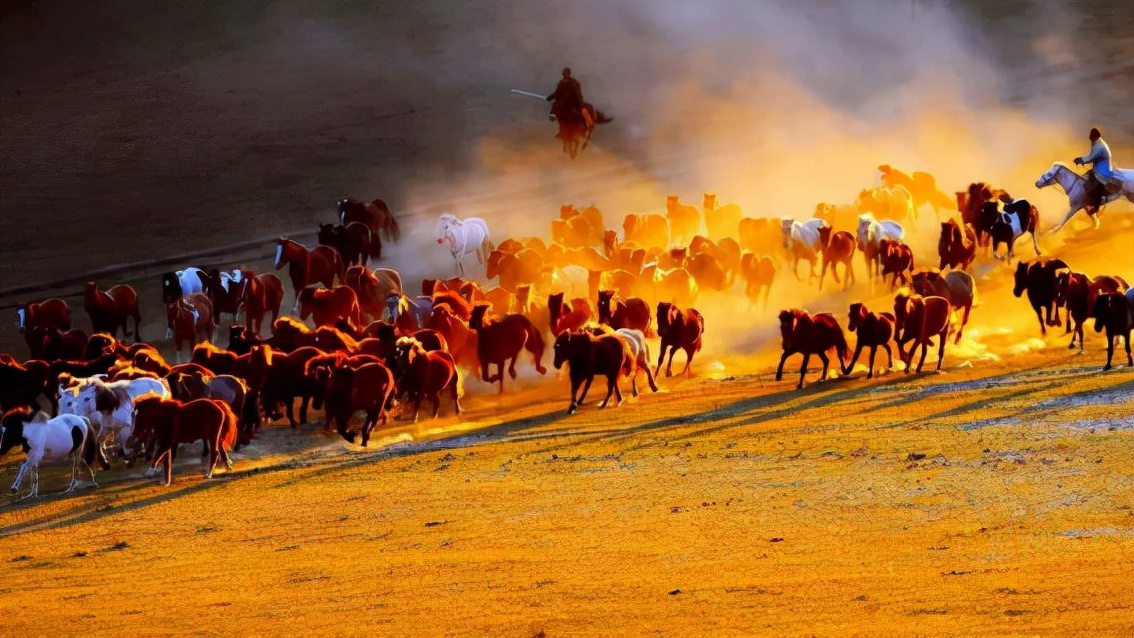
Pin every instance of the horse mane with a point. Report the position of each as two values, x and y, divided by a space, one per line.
293 323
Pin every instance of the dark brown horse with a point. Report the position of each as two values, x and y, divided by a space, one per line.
500 341
110 309
808 334
1038 279
368 388
354 242
422 373
629 313
874 331
53 343
375 215
1073 292
758 272
189 321
1114 312
955 249
588 355
678 330
263 294
562 318
957 286
897 259
47 314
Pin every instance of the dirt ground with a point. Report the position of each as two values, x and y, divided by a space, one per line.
993 498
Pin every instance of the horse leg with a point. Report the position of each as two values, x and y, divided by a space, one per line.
823 272
417 399
854 359
34 481
610 386
873 352
1129 358
826 365
964 322
1110 337
803 370
669 364
574 392
941 347
780 368
456 399
586 388
19 477
924 351
512 366
1035 244
661 357
689 352
617 390
1039 316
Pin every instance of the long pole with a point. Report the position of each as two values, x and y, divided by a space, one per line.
528 93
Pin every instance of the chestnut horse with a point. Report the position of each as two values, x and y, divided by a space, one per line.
562 319
897 259
678 329
758 273
630 313
50 313
110 309
425 373
263 294
373 287
874 331
588 355
169 422
957 286
190 320
809 334
368 388
919 319
327 305
501 340
462 340
838 248
375 215
306 267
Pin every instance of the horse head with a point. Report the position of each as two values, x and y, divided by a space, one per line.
1021 278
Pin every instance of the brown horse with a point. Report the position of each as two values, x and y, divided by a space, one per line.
50 313
1114 312
110 309
808 334
186 386
353 242
514 269
500 341
373 288
306 267
1073 292
758 273
169 422
838 248
189 320
263 294
720 220
573 232
594 220
919 319
678 329
327 305
284 381
762 235
563 319
954 249
618 313
462 340
970 204
874 331
589 355
957 286
422 373
53 343
375 215
455 302
288 334
684 220
897 259
646 230
1038 279
369 388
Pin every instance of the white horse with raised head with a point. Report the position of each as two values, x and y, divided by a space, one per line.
463 237
1075 186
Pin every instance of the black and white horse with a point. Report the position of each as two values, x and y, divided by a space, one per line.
1006 226
49 439
183 282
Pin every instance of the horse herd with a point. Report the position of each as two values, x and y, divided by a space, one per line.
598 296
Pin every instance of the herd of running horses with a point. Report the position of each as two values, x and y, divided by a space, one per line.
357 340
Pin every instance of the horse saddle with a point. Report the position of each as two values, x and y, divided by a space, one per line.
1109 187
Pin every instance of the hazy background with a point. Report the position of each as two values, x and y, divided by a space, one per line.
131 130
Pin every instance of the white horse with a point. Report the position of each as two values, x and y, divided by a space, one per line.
115 417
870 233
1075 186
573 281
464 236
66 435
636 340
801 240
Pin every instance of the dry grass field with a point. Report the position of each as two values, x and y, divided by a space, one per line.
993 498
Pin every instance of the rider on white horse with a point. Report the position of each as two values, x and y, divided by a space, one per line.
1099 156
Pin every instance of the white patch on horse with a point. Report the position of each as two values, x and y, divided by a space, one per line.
279 253
20 318
196 315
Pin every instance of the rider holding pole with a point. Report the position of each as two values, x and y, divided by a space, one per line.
1099 156
567 100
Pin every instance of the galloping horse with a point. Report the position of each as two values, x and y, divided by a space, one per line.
375 214
110 309
307 266
464 236
1074 185
576 133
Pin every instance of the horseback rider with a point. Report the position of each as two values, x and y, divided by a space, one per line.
1099 156
567 100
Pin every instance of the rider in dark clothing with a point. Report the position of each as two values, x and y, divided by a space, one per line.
567 100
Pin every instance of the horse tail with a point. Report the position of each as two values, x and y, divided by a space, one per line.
535 345
227 437
390 227
92 451
841 346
